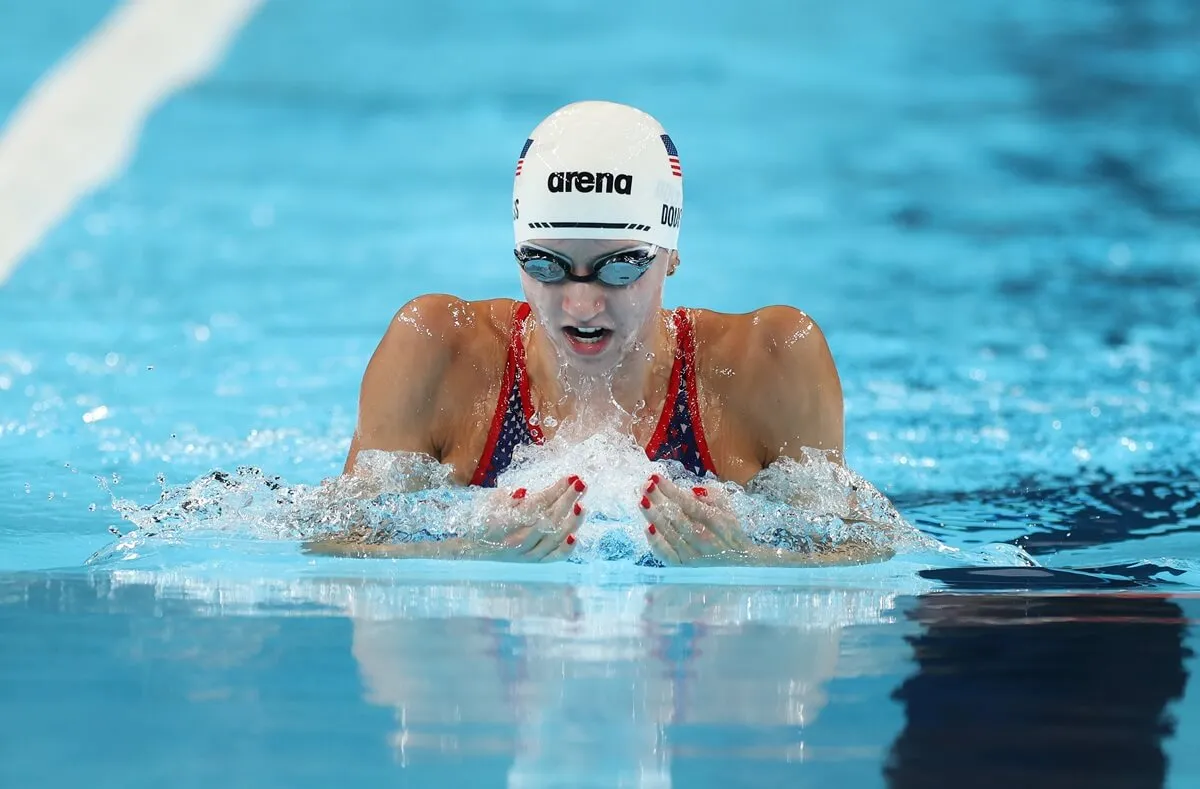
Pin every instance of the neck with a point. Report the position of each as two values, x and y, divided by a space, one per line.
623 397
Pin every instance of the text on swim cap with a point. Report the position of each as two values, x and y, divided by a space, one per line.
621 183
670 215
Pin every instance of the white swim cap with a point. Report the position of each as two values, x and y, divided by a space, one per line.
595 169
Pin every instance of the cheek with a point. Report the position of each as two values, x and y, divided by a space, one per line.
538 295
643 296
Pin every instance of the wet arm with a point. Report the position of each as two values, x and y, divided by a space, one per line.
396 409
802 408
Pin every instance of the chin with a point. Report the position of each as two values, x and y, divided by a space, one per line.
604 362
597 365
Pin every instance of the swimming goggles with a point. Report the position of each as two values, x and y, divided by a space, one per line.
617 269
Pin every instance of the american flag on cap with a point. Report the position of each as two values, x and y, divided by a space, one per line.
672 157
521 158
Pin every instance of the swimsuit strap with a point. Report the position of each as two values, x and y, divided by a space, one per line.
679 434
511 420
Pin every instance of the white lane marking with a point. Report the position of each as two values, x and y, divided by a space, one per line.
78 126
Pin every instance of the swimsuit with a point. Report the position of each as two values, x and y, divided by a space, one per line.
679 435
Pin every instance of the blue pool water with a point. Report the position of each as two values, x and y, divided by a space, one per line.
990 208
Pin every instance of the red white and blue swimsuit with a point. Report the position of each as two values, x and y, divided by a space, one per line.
679 435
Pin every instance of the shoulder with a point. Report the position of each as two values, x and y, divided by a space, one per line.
444 326
431 334
778 338
437 352
774 373
446 318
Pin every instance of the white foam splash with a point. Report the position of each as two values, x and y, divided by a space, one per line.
400 497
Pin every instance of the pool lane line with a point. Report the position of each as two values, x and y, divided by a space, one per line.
79 124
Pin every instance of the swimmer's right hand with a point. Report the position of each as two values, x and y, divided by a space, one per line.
532 527
518 526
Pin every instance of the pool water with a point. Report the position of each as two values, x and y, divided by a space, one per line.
991 210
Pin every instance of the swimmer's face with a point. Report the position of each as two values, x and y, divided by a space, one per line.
594 326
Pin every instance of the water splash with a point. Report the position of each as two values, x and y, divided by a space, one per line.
405 497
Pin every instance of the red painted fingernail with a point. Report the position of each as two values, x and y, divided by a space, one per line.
571 538
655 479
519 493
571 479
651 528
645 503
578 509
650 488
700 491
579 486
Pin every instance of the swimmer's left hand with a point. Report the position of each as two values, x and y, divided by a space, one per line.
696 527
699 528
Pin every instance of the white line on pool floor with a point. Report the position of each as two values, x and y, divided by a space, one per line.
78 126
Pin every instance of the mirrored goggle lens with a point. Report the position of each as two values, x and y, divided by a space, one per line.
542 266
624 267
618 269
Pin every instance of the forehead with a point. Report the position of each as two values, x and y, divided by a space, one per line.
584 248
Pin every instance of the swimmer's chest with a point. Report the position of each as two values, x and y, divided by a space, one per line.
735 454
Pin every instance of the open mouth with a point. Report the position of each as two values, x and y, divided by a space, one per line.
587 340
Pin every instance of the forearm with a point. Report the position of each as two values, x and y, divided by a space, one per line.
450 548
787 533
356 517
844 554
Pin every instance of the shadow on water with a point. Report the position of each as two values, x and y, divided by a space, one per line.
1042 691
1053 515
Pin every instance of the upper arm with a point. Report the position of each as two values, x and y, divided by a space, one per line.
397 401
797 388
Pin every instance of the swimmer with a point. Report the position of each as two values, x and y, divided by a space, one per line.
597 207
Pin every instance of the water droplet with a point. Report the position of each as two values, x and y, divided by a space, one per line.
27 487
534 419
91 508
50 496
650 357
550 421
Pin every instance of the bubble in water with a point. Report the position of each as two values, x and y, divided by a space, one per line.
534 419
92 507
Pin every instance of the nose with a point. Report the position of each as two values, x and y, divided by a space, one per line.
582 301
